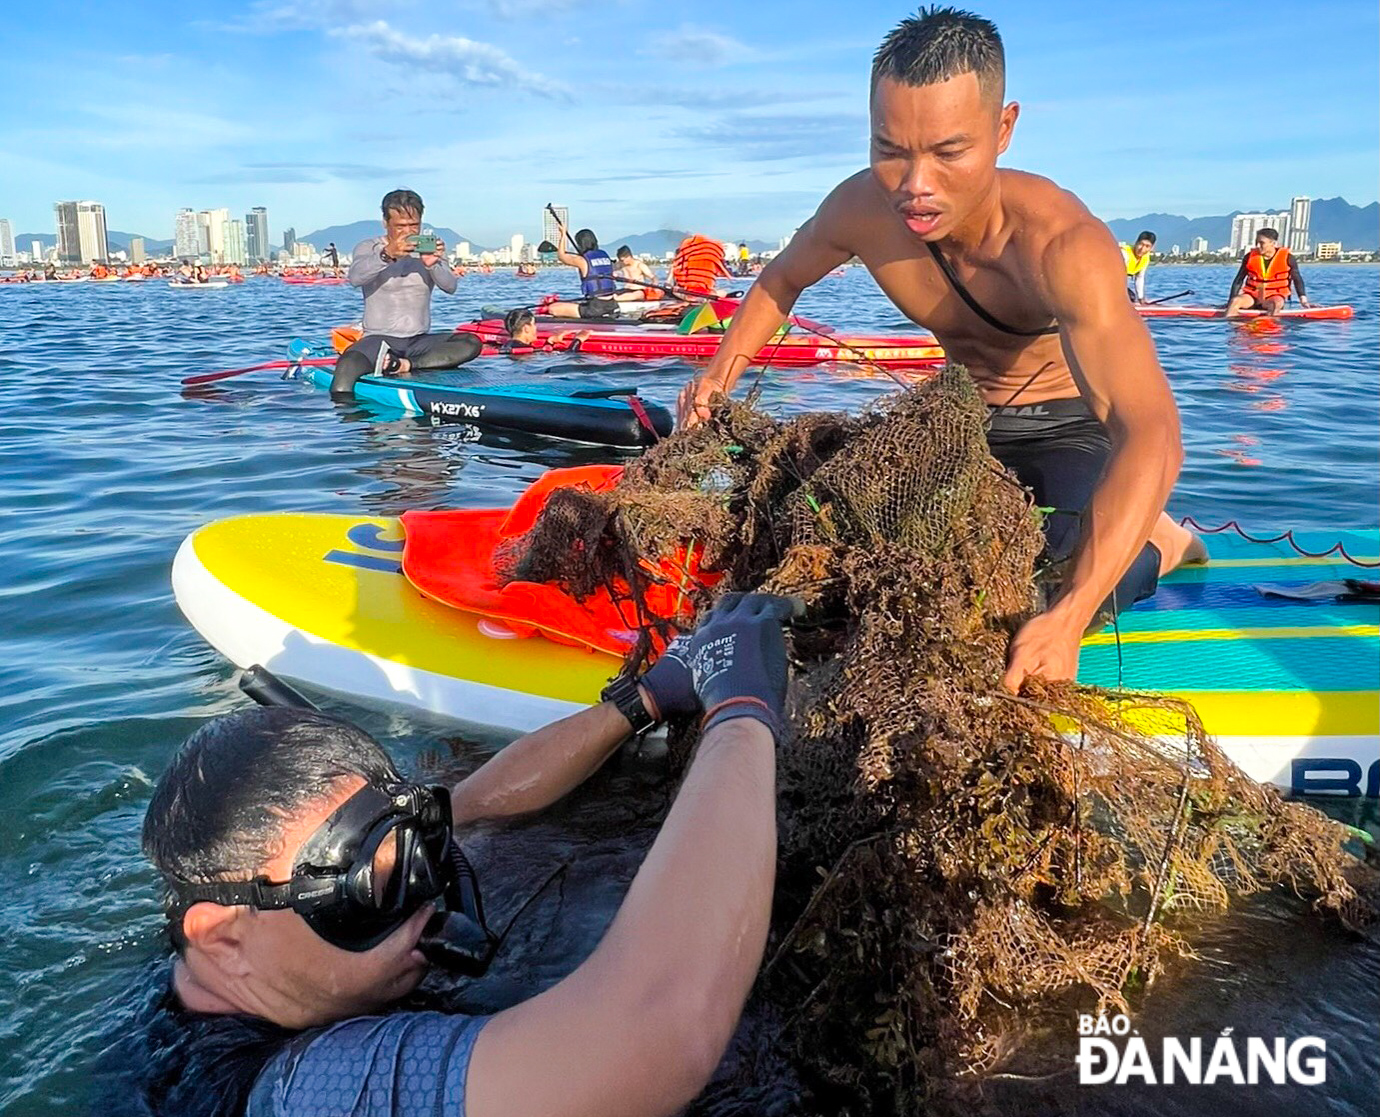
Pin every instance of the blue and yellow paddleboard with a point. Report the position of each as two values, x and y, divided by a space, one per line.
1291 689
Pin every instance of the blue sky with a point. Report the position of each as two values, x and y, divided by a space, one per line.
735 121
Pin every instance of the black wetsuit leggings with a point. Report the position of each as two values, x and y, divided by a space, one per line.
426 352
1059 450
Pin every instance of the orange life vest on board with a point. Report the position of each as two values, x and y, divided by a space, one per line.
1268 280
698 262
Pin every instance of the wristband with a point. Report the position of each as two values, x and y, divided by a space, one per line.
625 696
763 713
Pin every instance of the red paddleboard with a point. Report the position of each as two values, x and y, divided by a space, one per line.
314 281
1218 312
795 350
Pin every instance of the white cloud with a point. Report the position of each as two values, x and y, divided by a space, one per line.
281 15
465 60
695 46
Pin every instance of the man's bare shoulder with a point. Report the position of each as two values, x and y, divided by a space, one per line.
850 204
1046 217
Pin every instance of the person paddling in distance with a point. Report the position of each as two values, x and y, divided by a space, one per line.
1023 286
397 273
1266 273
1137 258
303 876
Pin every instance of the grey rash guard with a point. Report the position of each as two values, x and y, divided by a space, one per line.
409 1064
397 294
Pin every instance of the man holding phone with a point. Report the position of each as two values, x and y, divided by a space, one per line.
397 273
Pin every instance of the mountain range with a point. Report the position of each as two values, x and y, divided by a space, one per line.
1332 219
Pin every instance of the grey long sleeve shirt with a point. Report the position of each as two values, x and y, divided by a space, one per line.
397 293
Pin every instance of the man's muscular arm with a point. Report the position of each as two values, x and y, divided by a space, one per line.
820 245
1114 363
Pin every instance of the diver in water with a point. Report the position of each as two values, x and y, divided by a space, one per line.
397 278
309 887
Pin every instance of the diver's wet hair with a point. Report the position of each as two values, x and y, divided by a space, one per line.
937 44
401 201
514 320
219 809
586 241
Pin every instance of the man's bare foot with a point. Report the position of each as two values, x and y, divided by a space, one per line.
1177 545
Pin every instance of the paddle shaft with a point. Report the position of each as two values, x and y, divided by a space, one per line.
209 377
1167 298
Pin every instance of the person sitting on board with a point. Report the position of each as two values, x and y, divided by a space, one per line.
1137 258
1266 272
744 258
698 262
597 283
397 279
1018 282
638 276
302 875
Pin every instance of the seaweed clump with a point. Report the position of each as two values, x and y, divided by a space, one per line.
954 859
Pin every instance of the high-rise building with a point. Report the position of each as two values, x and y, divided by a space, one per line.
1328 249
1300 213
1174 251
91 238
256 235
186 241
548 223
462 250
1199 246
289 239
234 243
36 251
211 238
515 243
68 238
1244 227
136 250
6 241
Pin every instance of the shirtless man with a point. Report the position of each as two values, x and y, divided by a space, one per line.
1021 284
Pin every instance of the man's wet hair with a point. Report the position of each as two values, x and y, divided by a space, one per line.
401 201
220 807
624 252
1146 235
1269 234
586 241
937 44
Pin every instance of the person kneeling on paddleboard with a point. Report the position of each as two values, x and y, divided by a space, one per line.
397 273
1266 273
1137 257
309 887
1022 286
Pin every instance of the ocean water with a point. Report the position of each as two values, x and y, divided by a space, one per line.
105 465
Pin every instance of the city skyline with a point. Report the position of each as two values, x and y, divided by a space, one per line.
726 119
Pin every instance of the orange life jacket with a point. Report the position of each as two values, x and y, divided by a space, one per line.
698 262
1268 280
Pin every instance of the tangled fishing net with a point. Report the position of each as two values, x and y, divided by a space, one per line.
953 857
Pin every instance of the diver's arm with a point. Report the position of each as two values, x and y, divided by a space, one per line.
638 1029
1114 364
542 767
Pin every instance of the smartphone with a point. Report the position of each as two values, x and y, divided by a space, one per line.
425 242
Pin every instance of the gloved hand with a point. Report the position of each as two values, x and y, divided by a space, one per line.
669 682
738 660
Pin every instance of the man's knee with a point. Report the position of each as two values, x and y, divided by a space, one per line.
351 366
